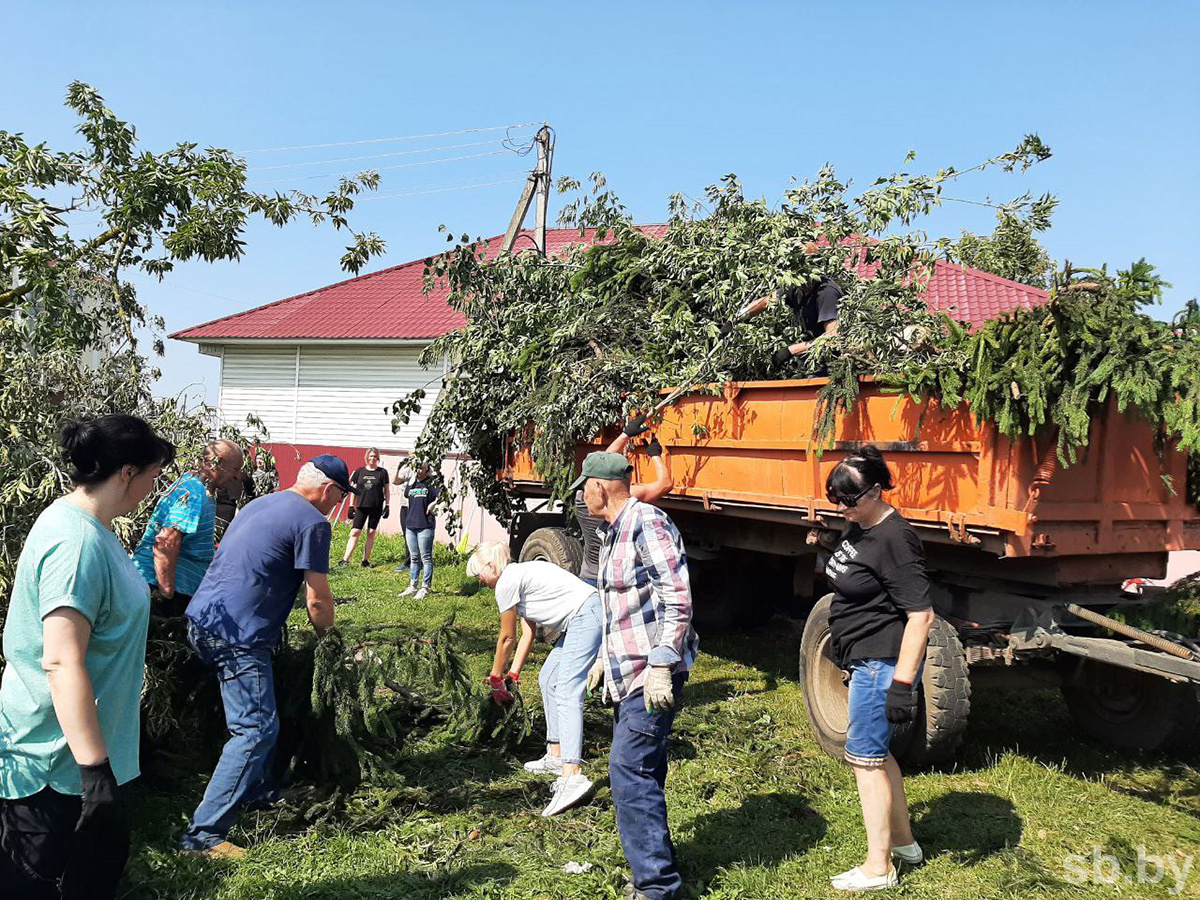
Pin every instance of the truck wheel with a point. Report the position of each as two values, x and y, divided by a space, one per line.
945 694
1133 710
555 545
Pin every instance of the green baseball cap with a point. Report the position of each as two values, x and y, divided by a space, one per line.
607 466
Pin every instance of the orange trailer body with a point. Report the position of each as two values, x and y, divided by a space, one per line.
748 453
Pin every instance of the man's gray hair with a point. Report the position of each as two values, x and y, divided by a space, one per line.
310 476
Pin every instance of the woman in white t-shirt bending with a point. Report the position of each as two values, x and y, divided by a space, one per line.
541 595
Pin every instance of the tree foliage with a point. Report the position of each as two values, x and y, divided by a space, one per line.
1011 251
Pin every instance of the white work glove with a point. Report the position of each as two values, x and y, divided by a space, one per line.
595 676
658 690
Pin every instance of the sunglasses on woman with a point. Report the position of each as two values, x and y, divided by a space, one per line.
848 501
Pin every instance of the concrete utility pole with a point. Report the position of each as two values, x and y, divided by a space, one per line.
539 182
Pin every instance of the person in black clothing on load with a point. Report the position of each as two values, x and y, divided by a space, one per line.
879 623
814 307
370 506
647 493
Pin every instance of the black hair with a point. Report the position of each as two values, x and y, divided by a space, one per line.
97 448
860 469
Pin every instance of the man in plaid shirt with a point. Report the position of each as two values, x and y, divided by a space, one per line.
648 648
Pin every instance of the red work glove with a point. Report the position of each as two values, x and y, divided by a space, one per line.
514 675
501 695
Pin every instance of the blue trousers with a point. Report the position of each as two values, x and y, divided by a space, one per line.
637 772
563 679
242 773
420 555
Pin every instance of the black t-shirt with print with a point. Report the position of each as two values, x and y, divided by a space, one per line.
813 306
878 576
372 487
420 495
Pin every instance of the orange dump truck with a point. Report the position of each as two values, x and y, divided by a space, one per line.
1024 555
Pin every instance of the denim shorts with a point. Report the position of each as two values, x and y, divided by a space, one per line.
869 732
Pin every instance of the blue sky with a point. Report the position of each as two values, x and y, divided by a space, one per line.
659 96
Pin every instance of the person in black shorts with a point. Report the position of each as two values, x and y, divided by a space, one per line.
371 504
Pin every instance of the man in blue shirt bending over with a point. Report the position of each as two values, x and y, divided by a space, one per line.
276 544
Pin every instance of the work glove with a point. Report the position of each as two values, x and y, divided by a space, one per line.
635 426
101 841
901 702
350 513
501 695
514 675
658 690
654 448
726 329
595 676
102 809
781 356
387 511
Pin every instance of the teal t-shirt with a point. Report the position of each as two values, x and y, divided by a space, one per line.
188 507
71 560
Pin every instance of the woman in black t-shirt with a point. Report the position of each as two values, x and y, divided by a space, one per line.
370 505
879 624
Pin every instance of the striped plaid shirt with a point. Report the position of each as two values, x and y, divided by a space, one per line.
643 581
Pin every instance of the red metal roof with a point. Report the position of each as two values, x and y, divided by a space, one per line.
390 305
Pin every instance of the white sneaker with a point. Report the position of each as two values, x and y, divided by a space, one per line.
912 854
421 594
567 790
409 591
857 880
545 765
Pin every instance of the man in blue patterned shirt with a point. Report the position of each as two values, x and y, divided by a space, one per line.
178 544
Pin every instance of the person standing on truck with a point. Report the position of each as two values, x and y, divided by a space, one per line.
647 493
544 596
814 307
371 480
647 650
879 623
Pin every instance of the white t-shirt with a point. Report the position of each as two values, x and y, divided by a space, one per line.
543 593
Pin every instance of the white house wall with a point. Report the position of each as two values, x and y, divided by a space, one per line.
325 394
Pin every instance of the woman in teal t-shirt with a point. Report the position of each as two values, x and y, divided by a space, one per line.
75 646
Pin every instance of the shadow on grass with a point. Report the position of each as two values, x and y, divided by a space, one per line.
1037 726
764 831
972 825
404 885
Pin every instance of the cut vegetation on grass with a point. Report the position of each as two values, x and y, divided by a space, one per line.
757 810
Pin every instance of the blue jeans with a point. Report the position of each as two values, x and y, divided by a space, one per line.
564 680
637 772
420 555
869 733
242 773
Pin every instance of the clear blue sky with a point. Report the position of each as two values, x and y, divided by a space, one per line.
660 96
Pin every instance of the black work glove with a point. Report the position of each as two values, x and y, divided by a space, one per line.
726 329
654 448
101 843
350 512
387 511
636 425
901 702
781 356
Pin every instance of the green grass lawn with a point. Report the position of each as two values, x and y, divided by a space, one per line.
757 810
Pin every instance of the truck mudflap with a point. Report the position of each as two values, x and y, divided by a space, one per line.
1038 630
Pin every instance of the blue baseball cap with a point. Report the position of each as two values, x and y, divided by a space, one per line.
335 470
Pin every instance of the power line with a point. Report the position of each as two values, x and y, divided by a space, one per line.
424 162
408 137
465 187
345 159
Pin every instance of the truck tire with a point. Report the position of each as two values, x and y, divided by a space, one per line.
1133 710
555 545
945 693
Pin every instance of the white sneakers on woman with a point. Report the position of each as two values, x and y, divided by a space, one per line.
858 880
545 765
567 790
421 595
409 591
